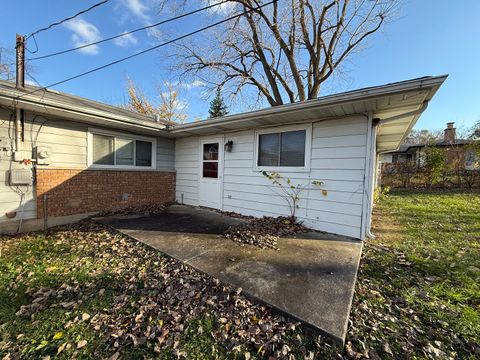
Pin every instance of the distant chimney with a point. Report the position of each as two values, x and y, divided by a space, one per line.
449 134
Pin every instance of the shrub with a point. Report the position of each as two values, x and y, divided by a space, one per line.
288 191
433 164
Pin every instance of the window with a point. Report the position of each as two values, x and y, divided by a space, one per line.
143 155
119 151
284 149
210 160
124 151
471 159
102 149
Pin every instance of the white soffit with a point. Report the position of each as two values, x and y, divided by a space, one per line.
386 101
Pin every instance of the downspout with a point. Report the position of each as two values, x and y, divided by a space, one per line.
368 179
18 128
372 175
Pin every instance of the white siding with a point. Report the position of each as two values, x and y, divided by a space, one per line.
187 168
337 158
165 154
67 141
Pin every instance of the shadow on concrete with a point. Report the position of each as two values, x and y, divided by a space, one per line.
177 219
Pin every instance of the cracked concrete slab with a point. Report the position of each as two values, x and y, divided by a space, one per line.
311 277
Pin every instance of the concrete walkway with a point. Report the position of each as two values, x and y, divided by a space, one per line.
310 278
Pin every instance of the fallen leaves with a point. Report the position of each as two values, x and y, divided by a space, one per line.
81 344
264 232
59 335
153 301
147 209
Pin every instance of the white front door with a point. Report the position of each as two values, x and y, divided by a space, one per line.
211 160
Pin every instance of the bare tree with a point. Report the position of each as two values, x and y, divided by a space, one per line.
424 136
7 63
137 100
283 51
475 131
171 108
168 106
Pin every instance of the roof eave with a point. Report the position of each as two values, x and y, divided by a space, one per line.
330 100
81 114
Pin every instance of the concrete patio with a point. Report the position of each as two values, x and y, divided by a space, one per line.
311 277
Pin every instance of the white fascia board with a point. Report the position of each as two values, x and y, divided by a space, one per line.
330 100
81 115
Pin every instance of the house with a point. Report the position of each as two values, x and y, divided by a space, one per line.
456 150
63 157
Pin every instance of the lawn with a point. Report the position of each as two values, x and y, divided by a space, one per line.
418 290
87 292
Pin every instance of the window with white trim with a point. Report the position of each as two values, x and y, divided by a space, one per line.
286 149
114 150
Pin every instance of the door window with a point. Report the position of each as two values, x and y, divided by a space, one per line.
210 160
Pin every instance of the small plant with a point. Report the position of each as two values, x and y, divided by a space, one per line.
380 193
288 191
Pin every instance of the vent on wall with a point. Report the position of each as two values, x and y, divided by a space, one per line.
21 177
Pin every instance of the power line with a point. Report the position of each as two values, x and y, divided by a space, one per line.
33 78
128 32
68 18
147 50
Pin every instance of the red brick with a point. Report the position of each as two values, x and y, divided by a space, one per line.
80 191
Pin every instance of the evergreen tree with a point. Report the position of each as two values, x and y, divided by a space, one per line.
217 106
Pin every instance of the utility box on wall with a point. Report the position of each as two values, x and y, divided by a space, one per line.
42 155
21 177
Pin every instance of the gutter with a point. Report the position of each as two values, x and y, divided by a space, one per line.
330 100
78 114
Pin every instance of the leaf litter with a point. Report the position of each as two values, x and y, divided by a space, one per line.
264 232
154 299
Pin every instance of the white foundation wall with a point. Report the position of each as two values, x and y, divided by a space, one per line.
338 156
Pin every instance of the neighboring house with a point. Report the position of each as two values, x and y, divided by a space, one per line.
69 157
455 150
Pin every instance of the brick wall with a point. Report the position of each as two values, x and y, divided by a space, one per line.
81 191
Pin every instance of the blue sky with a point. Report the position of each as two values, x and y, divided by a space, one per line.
430 37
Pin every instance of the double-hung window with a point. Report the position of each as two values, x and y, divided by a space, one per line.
285 149
115 150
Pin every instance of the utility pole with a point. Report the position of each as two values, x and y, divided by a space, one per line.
20 70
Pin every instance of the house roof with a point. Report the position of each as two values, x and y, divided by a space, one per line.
440 143
399 104
55 103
